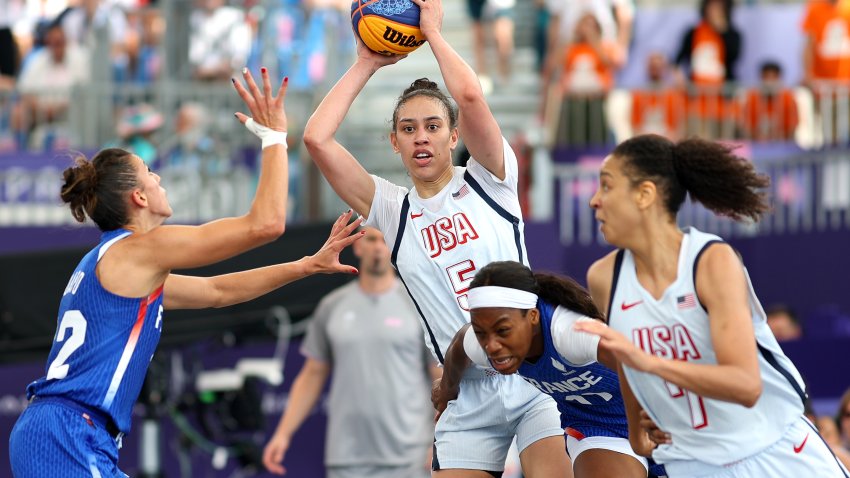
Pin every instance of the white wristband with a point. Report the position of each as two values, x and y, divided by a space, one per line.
267 135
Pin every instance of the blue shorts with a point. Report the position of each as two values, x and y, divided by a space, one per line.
57 440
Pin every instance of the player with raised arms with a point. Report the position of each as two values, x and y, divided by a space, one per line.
694 348
110 316
453 221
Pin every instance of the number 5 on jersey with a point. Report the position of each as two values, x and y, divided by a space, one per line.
461 274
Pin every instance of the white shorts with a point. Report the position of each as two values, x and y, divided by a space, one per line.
476 429
800 452
621 445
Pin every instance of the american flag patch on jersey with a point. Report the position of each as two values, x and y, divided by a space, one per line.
686 301
461 192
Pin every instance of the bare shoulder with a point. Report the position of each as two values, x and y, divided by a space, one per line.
599 277
601 272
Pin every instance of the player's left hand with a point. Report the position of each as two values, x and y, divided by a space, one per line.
656 435
616 343
430 16
440 397
326 260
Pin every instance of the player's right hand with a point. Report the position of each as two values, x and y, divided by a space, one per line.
274 452
440 397
265 108
376 59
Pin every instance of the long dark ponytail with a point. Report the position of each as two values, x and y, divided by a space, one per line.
710 172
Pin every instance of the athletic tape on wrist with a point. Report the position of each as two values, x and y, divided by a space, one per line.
268 136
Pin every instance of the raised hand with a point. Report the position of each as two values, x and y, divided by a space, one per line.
326 260
266 109
364 53
430 16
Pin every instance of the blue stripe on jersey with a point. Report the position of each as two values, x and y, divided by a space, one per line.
499 210
771 359
405 206
696 264
618 264
588 397
828 447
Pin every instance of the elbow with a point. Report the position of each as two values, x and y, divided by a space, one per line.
315 138
751 394
268 231
471 94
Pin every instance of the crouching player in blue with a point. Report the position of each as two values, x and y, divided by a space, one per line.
522 323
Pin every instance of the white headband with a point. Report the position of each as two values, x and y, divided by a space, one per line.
495 296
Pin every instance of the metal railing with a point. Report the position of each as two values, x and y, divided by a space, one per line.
809 192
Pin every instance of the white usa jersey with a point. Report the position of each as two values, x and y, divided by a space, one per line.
677 327
439 243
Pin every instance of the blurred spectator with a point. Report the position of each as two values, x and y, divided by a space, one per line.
81 24
10 60
220 40
46 83
658 108
144 55
587 78
784 324
843 419
191 148
826 65
711 48
710 51
829 431
497 16
826 56
769 111
135 130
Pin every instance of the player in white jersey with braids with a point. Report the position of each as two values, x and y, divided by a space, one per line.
695 351
453 222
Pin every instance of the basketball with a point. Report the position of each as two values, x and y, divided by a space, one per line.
389 27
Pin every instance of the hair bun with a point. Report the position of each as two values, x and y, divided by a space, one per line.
421 84
80 186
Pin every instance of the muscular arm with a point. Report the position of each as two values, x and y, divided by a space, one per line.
638 437
722 288
455 362
187 292
478 128
346 175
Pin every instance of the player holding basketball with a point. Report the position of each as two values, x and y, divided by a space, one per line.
452 222
522 323
691 337
110 315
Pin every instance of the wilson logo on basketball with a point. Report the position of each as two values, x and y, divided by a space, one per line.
398 38
447 233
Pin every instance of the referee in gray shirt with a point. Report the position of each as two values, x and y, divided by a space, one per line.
365 334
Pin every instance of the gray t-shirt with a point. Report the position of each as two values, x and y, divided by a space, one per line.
380 409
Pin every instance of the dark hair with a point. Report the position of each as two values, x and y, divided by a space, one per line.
727 8
425 87
98 188
723 182
556 290
770 65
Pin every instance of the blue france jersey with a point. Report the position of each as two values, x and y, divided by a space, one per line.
588 396
103 342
